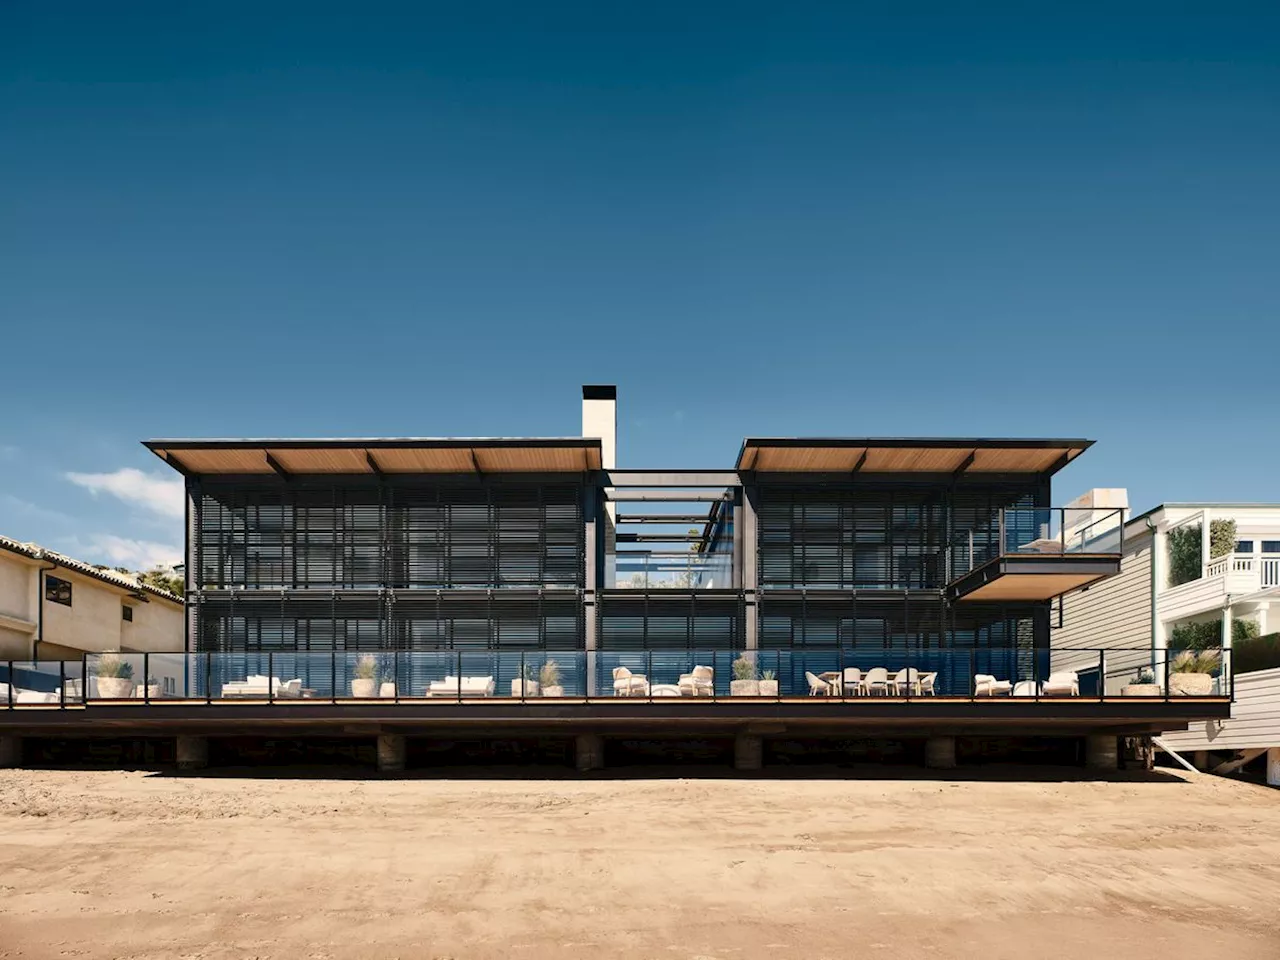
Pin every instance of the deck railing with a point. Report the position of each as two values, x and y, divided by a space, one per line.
1261 571
543 676
1054 531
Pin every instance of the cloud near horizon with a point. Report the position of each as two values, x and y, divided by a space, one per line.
116 551
160 495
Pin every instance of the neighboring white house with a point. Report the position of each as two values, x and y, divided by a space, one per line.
53 607
1141 608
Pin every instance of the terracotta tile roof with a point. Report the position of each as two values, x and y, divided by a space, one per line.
114 577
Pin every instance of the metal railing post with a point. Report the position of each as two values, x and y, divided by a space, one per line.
972 683
146 678
1102 674
271 678
395 676
458 677
208 677
333 676
11 684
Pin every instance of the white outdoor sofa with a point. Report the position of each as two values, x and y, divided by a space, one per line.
255 685
986 685
452 686
700 682
628 684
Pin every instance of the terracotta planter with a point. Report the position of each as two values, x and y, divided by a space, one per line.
744 688
556 691
1140 690
768 688
154 691
1190 684
115 688
524 688
364 689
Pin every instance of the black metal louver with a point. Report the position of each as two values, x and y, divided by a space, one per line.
671 620
366 536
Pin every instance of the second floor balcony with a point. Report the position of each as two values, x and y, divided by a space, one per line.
1035 554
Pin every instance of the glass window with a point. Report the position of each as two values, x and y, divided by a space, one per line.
1244 546
1271 546
59 591
126 612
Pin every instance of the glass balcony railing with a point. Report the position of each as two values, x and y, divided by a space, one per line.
1039 531
672 570
847 674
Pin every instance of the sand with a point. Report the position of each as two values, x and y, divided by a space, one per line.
813 865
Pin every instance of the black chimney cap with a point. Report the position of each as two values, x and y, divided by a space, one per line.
599 391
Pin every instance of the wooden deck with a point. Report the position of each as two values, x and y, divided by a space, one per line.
488 716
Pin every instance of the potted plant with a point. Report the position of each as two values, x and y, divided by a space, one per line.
1191 673
744 682
768 683
115 677
525 685
366 677
154 689
1144 685
549 677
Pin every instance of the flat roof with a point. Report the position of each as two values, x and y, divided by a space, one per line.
907 455
380 455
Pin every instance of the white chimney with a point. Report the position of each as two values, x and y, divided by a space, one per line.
1089 517
600 419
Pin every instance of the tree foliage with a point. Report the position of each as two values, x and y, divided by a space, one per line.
1222 538
163 580
1184 554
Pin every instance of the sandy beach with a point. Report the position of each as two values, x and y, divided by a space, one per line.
98 864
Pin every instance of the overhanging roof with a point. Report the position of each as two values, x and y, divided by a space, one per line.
907 455
381 455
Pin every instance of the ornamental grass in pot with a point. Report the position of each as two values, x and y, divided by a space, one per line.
1191 673
549 677
365 684
115 676
744 682
525 685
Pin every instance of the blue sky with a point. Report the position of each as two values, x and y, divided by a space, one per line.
778 219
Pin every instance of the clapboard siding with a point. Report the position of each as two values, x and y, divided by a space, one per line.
1254 722
1115 615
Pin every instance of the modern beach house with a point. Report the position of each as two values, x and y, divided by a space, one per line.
818 587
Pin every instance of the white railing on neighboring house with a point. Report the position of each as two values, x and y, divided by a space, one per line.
1231 563
1261 572
1271 571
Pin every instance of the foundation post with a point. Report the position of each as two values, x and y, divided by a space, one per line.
193 753
588 751
391 753
10 751
940 753
748 752
1100 752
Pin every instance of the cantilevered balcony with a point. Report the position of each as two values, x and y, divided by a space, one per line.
1035 554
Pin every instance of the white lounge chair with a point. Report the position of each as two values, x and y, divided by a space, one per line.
452 686
928 683
1064 683
851 681
906 681
986 685
817 686
876 681
628 684
700 682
